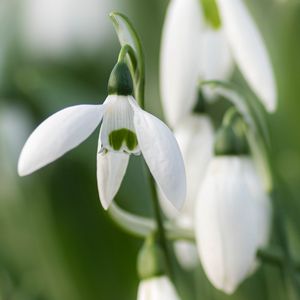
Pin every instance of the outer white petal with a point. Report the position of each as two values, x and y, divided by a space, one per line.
157 288
232 221
187 255
111 168
179 58
216 62
195 137
162 155
249 50
57 135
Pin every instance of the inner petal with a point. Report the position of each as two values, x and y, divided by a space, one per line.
117 130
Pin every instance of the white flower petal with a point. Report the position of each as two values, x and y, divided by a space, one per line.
195 136
216 62
118 117
249 50
233 217
178 59
162 155
111 168
187 255
57 135
157 288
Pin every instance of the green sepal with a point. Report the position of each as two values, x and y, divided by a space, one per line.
151 259
227 142
123 136
230 138
211 13
120 81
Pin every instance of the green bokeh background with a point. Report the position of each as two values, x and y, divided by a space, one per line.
56 241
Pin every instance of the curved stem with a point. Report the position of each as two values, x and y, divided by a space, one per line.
142 226
127 49
135 225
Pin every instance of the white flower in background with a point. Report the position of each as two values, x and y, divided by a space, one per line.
126 129
191 50
195 136
60 27
233 218
249 50
157 288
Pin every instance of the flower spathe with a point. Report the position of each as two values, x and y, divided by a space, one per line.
157 288
126 129
233 218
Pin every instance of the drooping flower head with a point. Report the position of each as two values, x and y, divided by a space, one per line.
126 129
233 214
190 50
193 49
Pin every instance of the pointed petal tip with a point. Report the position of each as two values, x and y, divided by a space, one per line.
105 200
111 169
105 204
22 170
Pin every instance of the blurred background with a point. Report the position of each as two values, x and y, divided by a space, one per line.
56 241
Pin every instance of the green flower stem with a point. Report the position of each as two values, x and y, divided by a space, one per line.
142 227
127 49
159 222
275 257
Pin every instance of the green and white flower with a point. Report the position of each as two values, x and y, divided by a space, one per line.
126 129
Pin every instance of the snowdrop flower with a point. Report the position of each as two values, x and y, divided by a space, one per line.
195 136
190 51
126 129
249 50
233 216
157 288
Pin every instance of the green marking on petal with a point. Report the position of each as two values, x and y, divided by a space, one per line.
211 13
118 137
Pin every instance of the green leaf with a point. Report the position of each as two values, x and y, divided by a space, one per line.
211 13
128 36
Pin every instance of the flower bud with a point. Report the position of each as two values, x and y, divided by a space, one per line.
151 260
